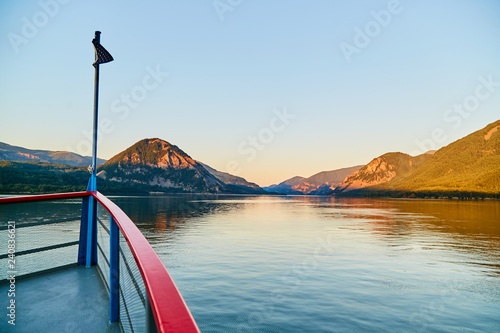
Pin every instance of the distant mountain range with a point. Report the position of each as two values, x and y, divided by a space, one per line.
324 182
467 167
19 154
150 165
321 183
285 187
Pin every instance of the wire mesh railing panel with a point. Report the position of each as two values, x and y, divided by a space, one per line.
41 236
103 266
103 252
41 261
132 292
46 235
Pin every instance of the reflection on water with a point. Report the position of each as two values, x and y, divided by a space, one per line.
314 264
40 211
159 213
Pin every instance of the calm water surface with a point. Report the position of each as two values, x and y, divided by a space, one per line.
297 264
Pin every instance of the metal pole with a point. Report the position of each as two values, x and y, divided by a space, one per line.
91 255
96 102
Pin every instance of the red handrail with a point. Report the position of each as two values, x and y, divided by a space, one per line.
169 309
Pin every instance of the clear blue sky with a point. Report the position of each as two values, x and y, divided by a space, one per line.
233 65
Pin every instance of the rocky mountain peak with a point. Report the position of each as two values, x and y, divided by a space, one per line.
155 162
155 153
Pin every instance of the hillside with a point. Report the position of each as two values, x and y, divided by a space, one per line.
155 162
20 154
37 177
381 170
471 164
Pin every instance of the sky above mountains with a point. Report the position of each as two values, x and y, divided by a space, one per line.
262 89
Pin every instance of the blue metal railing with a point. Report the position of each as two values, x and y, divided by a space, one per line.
142 295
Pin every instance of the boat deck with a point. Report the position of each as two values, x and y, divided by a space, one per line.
69 300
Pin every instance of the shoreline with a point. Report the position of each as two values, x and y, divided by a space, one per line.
454 197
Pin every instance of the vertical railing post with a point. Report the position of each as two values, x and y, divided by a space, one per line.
114 277
91 256
82 246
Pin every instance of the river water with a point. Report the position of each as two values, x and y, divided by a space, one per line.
320 264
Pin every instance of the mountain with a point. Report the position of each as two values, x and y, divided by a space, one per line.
321 183
324 182
380 170
154 162
19 154
285 187
236 184
471 164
